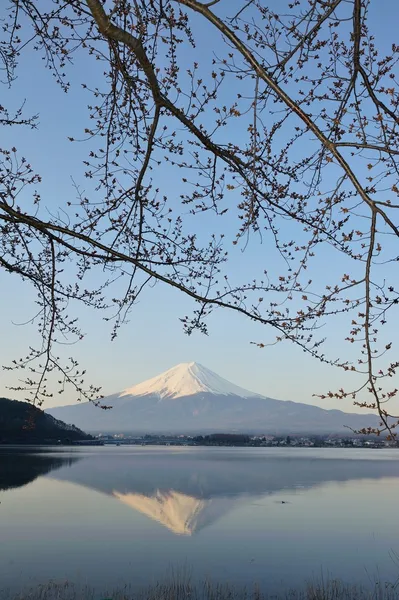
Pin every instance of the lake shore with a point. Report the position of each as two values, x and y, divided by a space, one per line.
181 589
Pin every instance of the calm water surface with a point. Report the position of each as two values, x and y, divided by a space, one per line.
115 515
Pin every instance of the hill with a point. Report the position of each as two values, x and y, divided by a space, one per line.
23 423
189 398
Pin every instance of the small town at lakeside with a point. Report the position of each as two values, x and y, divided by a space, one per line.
257 441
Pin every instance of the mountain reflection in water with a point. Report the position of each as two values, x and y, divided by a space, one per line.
182 514
187 491
130 515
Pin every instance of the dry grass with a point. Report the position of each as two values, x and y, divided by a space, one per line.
180 589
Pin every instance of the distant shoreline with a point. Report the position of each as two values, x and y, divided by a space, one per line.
242 440
154 444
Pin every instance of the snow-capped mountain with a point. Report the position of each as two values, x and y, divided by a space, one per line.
187 379
191 398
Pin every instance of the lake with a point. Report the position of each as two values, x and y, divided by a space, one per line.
113 515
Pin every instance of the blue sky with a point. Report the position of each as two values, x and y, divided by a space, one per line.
153 340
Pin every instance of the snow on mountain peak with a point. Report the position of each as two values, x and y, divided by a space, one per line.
187 379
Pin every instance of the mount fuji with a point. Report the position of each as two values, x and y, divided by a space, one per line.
189 398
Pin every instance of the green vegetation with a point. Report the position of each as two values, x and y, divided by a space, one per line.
185 590
23 423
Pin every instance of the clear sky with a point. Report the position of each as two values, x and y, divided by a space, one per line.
153 340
